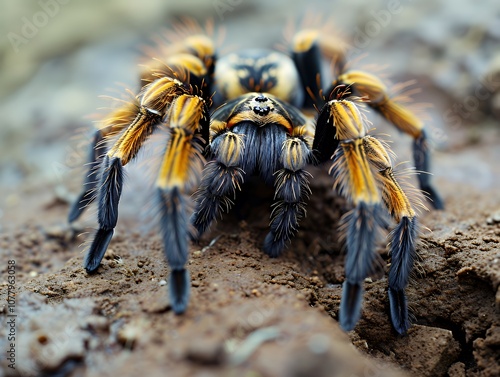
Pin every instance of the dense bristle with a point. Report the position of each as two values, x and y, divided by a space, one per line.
97 249
399 310
179 289
216 194
285 219
362 227
350 305
111 184
422 163
174 226
402 241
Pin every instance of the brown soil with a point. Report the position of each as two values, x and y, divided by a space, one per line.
251 315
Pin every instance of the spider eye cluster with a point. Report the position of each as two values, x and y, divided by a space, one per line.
262 111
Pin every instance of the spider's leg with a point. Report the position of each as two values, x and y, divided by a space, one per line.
116 122
179 174
310 48
292 189
371 87
111 183
306 54
402 238
153 100
221 178
354 180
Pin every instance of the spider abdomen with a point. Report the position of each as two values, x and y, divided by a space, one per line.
258 70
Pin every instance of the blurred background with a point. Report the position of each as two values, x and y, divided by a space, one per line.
58 56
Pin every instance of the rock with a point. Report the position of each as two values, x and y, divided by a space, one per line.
206 351
53 335
486 352
427 351
457 370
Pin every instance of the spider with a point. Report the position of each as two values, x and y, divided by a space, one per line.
244 114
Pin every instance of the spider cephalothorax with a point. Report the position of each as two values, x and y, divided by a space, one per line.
259 128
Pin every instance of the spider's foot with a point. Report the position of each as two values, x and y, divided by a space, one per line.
399 310
403 254
273 246
179 286
97 249
350 305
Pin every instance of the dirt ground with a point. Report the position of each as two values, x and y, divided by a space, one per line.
249 315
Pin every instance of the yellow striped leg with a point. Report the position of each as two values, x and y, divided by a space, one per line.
402 238
371 87
180 172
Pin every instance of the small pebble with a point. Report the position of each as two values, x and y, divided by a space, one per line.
206 351
494 219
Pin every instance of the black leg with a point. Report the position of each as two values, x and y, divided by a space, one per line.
402 241
308 63
362 228
422 163
175 229
221 178
111 184
292 187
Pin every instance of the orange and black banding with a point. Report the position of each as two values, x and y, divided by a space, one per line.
304 40
260 118
376 93
366 85
198 45
128 144
216 128
175 167
402 117
347 119
229 149
187 112
157 96
305 133
119 119
258 108
202 47
192 63
354 177
182 162
181 66
393 195
295 154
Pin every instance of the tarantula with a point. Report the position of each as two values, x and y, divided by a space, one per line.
243 114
